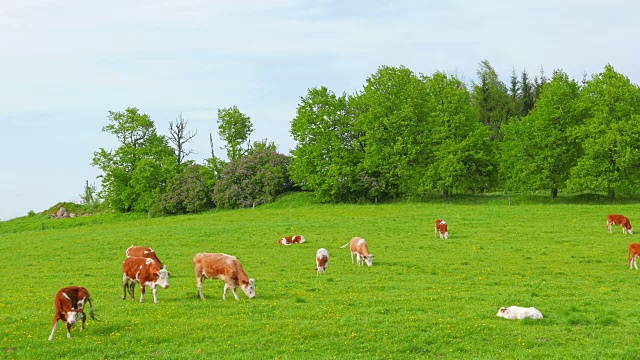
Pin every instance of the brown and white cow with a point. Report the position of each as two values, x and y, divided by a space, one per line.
619 220
288 240
441 228
145 252
322 260
226 268
69 304
360 249
146 272
634 252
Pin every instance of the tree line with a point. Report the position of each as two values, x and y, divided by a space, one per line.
403 135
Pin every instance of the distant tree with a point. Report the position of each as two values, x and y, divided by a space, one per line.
539 150
515 94
251 180
326 157
234 128
391 127
457 149
179 137
492 100
609 137
137 171
89 196
527 96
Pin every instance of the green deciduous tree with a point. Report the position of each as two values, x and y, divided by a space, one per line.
326 157
136 172
390 119
456 145
609 137
234 128
538 150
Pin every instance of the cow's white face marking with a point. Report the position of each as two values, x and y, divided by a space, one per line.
71 316
369 260
163 279
630 231
250 289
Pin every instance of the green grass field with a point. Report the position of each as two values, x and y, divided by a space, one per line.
423 298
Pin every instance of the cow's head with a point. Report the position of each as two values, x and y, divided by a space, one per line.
72 316
301 239
630 231
161 277
369 259
250 288
502 312
446 235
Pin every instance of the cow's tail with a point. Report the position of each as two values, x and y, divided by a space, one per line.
345 245
91 309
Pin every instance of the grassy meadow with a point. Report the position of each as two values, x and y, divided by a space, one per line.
423 298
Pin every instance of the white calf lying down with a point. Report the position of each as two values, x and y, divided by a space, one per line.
517 312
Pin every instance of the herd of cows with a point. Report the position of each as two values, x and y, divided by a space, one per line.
143 266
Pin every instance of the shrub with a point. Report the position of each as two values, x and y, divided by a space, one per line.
187 192
254 179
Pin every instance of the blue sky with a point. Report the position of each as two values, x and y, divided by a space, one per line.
66 63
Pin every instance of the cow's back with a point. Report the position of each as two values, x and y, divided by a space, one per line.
134 265
144 252
214 264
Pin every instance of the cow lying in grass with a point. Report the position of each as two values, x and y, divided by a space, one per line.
288 240
517 312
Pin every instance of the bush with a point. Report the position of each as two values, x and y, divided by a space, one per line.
254 179
187 192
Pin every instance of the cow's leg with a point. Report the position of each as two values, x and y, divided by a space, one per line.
125 282
83 318
436 233
199 283
55 327
351 258
609 227
132 286
155 297
224 293
235 294
142 289
635 261
69 330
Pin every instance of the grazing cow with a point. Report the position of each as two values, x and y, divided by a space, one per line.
619 220
69 304
441 227
288 240
226 268
322 260
634 252
517 312
145 252
359 248
146 272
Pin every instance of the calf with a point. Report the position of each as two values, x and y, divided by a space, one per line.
226 268
69 304
360 249
619 220
146 272
288 240
516 312
441 227
322 260
634 252
144 252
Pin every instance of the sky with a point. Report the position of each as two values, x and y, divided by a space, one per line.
65 64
